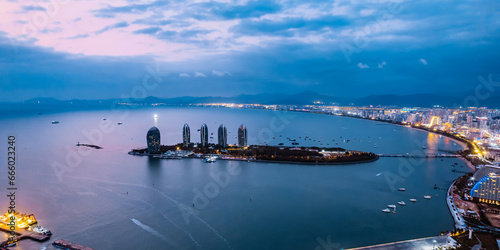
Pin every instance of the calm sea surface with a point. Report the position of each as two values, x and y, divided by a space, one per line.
107 199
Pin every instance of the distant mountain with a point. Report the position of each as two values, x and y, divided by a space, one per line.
297 99
42 100
304 98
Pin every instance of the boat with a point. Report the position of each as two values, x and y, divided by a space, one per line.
402 203
391 206
55 122
427 197
210 159
402 189
281 144
386 210
41 230
120 123
413 200
424 147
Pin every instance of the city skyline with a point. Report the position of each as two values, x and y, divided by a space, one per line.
94 50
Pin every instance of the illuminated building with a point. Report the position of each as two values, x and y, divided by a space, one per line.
242 136
434 121
186 135
486 189
22 220
204 135
153 139
222 136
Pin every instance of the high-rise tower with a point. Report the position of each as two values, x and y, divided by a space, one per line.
242 136
186 135
222 136
153 140
204 135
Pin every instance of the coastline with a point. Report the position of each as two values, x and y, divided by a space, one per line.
464 145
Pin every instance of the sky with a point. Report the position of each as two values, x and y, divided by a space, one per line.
89 49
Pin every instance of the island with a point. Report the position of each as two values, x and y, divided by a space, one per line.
258 153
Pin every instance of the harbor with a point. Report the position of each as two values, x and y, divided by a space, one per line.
21 234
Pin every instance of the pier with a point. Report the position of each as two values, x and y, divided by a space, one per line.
21 234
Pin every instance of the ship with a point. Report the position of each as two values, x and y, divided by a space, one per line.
210 159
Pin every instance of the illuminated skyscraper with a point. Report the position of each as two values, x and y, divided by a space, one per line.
186 135
222 136
204 135
242 136
153 139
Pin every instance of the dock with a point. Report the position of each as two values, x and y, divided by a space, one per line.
423 243
22 234
70 245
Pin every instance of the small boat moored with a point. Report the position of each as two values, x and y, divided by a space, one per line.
401 189
427 197
391 206
413 200
41 230
210 159
402 203
386 210
55 122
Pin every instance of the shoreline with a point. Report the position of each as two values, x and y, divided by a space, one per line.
464 145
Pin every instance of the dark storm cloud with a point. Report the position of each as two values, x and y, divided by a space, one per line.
283 47
288 26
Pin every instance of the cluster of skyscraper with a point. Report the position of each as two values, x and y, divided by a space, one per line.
153 137
221 135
